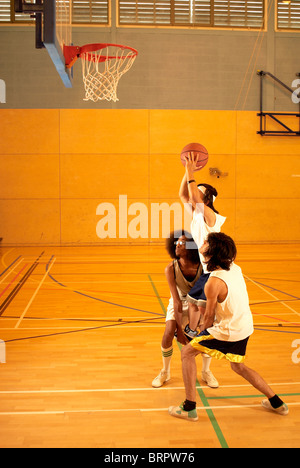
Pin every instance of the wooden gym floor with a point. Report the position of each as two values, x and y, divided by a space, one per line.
82 328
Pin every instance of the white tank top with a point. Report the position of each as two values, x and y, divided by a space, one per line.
233 321
200 230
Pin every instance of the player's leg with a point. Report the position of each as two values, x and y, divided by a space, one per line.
166 347
167 353
206 374
187 410
273 402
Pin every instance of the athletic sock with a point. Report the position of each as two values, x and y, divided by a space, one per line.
167 356
275 401
206 362
189 405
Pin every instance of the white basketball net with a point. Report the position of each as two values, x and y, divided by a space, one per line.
102 70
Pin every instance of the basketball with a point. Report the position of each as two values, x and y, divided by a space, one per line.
198 150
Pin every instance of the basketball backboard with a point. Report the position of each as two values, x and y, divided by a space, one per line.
57 33
53 30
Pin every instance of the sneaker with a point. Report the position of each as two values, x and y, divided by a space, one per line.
179 412
283 410
161 379
189 333
210 379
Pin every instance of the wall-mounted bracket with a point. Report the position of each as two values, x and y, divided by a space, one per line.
278 117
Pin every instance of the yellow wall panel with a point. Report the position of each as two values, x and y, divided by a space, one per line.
268 176
68 165
226 207
99 175
105 220
29 131
167 171
104 131
267 220
29 176
171 130
30 221
249 142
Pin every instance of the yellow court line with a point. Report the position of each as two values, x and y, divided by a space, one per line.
34 294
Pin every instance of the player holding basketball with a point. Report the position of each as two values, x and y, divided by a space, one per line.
226 328
205 219
181 273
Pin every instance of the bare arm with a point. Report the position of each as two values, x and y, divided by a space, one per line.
195 195
215 288
183 191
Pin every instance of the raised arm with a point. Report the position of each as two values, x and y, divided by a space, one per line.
183 190
195 195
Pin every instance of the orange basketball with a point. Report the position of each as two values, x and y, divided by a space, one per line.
198 150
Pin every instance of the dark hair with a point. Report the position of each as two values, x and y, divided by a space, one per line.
191 247
221 250
208 199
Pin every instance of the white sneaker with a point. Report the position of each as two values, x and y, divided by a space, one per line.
179 412
210 379
161 379
283 409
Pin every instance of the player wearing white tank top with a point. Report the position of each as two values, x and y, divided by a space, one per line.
233 319
226 328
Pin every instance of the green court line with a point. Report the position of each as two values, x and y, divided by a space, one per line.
203 398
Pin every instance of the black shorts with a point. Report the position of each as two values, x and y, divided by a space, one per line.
196 294
233 351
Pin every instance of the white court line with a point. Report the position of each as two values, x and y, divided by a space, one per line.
125 410
272 295
142 389
34 294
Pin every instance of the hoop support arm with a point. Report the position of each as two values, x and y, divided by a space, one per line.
71 54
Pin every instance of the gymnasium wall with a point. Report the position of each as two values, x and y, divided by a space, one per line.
63 171
176 68
75 171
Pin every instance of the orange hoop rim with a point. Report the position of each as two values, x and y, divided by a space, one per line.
73 53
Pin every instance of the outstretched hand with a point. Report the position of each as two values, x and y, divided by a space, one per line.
191 162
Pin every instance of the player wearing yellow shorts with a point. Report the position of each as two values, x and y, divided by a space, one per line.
226 328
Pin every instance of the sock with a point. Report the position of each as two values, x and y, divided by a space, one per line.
189 405
167 356
275 401
205 362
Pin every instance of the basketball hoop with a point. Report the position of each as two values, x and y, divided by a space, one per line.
102 67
